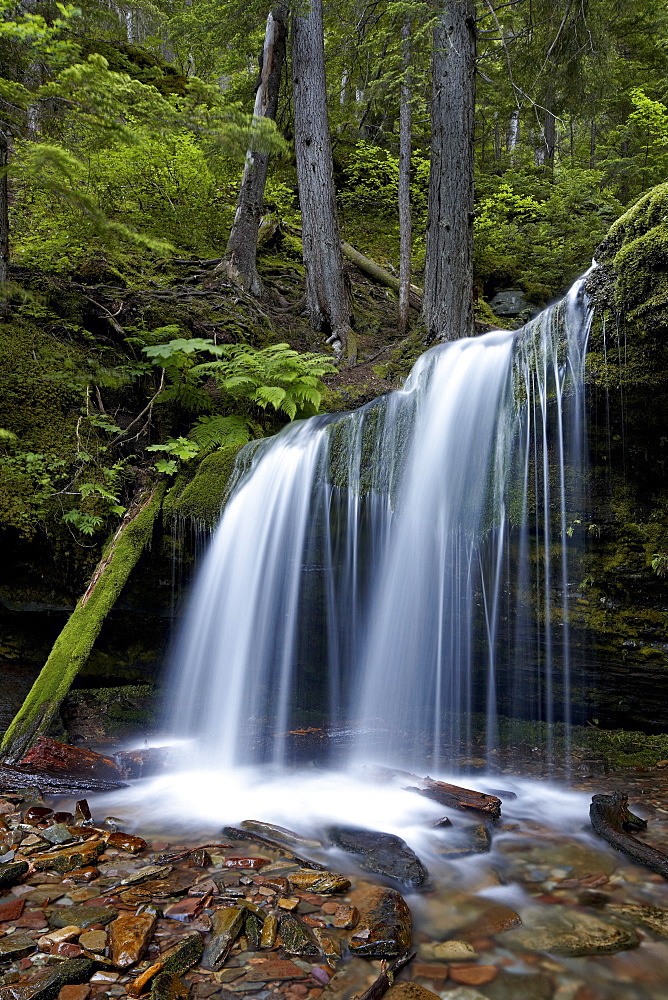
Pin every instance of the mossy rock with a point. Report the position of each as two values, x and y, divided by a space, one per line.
202 497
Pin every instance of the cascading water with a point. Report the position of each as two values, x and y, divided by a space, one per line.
402 569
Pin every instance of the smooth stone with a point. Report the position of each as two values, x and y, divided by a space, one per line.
468 916
274 969
653 917
384 926
321 882
410 991
82 916
67 933
14 946
126 842
57 834
345 917
74 992
563 931
11 909
129 937
473 975
47 984
448 951
382 853
520 986
93 940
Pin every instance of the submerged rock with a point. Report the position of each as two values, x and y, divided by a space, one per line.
384 926
382 853
563 931
226 926
321 882
410 991
48 984
653 917
280 834
297 938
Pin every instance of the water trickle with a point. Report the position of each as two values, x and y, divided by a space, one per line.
402 569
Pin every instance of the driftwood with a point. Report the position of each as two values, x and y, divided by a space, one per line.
15 779
453 796
381 985
611 819
380 274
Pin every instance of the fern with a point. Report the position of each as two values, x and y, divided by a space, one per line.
220 432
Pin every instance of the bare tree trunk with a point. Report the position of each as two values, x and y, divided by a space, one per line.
240 261
448 301
550 138
4 212
405 233
326 294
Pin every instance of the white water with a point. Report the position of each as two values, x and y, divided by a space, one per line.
393 570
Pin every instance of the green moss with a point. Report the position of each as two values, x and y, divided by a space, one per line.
72 647
202 497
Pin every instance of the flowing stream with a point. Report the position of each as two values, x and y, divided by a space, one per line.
400 571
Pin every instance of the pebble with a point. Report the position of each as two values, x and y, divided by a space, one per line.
473 975
93 940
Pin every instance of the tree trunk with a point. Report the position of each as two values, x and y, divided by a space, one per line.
241 254
405 234
448 301
73 646
4 212
326 294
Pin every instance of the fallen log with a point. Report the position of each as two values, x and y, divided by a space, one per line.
48 756
453 796
611 819
16 778
74 644
381 985
380 274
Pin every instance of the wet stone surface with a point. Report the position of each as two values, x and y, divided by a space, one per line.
542 916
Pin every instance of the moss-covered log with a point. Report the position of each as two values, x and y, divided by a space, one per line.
379 274
73 646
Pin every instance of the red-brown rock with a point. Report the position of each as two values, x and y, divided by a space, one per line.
473 975
58 758
12 909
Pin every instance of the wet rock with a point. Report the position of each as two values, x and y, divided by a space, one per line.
93 940
47 984
37 814
226 926
563 931
653 917
58 758
382 853
129 936
269 931
384 926
515 986
280 834
57 834
86 874
12 873
145 873
473 975
126 842
67 933
81 992
410 991
183 955
12 909
329 945
535 859
297 939
14 946
512 302
288 902
153 889
67 858
459 842
468 916
345 917
167 986
236 833
82 916
274 969
185 909
145 762
253 931
448 951
321 882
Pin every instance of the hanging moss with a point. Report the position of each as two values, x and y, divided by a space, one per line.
202 497
72 647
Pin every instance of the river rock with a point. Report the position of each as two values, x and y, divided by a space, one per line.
78 856
14 946
276 968
382 853
564 931
167 986
12 873
226 926
279 833
653 917
183 955
536 859
520 986
47 984
93 940
57 834
297 938
82 916
384 926
126 842
318 881
129 936
447 951
410 991
144 762
329 945
468 916
269 931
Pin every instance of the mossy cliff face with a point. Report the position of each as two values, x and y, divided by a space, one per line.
622 599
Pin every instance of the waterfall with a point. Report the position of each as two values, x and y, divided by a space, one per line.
401 570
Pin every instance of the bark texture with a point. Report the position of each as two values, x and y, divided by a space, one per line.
405 179
326 293
448 302
240 262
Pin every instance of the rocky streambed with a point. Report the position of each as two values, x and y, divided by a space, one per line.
507 908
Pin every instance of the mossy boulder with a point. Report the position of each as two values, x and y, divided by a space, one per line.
202 497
